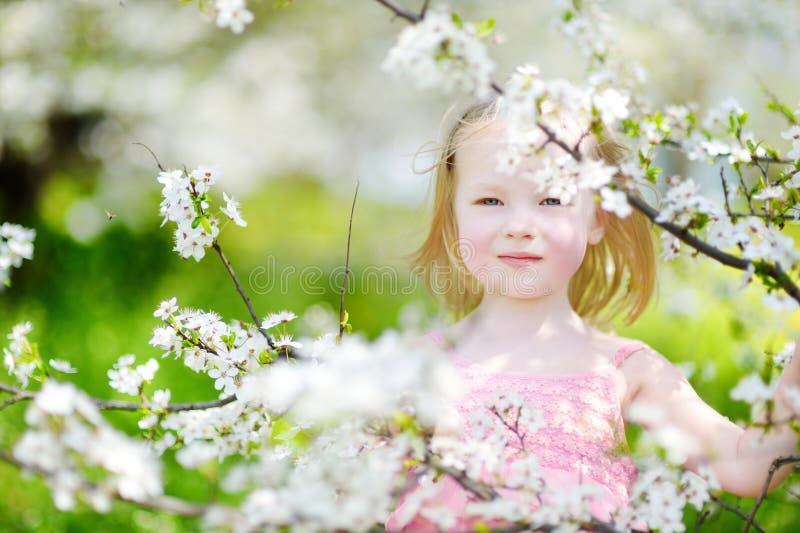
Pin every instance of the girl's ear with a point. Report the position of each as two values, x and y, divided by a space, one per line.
597 229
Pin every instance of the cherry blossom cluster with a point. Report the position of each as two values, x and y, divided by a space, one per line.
442 51
21 358
660 494
758 388
16 244
72 446
128 380
534 110
343 480
589 26
186 202
214 434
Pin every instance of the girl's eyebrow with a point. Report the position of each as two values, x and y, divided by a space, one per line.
487 185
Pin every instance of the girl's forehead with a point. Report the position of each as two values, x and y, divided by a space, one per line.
479 154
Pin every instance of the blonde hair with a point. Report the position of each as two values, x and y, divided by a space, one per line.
617 275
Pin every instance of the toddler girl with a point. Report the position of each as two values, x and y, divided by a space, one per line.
532 279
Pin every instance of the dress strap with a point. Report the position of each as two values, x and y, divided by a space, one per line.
437 338
626 351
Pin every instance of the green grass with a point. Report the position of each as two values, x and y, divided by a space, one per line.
91 304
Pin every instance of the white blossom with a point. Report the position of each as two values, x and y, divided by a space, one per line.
612 106
19 357
166 308
784 357
233 14
774 192
16 244
670 246
436 52
231 210
793 134
128 380
615 202
62 366
274 319
752 389
780 302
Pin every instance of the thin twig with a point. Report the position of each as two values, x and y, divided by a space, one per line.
669 143
424 9
701 517
553 138
158 163
496 88
481 490
172 408
290 352
790 117
725 191
346 265
763 215
773 467
400 12
11 401
239 288
737 511
114 405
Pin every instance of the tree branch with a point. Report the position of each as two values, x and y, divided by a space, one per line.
553 138
346 266
158 163
776 464
424 9
737 511
290 352
402 13
775 271
114 405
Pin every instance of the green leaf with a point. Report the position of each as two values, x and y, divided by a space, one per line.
206 224
457 20
484 28
195 222
742 118
568 15
784 110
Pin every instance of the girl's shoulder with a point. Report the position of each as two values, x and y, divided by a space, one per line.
642 366
621 349
615 348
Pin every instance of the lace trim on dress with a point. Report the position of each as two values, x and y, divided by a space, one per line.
584 431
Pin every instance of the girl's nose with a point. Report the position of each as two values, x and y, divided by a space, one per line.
520 226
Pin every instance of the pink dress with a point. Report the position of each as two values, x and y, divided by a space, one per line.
583 439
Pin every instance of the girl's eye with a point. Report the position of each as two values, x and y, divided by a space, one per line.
489 201
550 201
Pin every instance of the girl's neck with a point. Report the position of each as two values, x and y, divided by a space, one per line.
513 320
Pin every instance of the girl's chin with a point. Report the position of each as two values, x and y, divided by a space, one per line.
518 292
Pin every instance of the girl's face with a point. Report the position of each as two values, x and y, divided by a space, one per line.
514 238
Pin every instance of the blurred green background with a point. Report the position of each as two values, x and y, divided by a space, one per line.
295 111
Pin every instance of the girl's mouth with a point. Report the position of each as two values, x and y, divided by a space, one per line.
519 261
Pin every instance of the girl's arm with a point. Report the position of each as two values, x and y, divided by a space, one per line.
739 458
